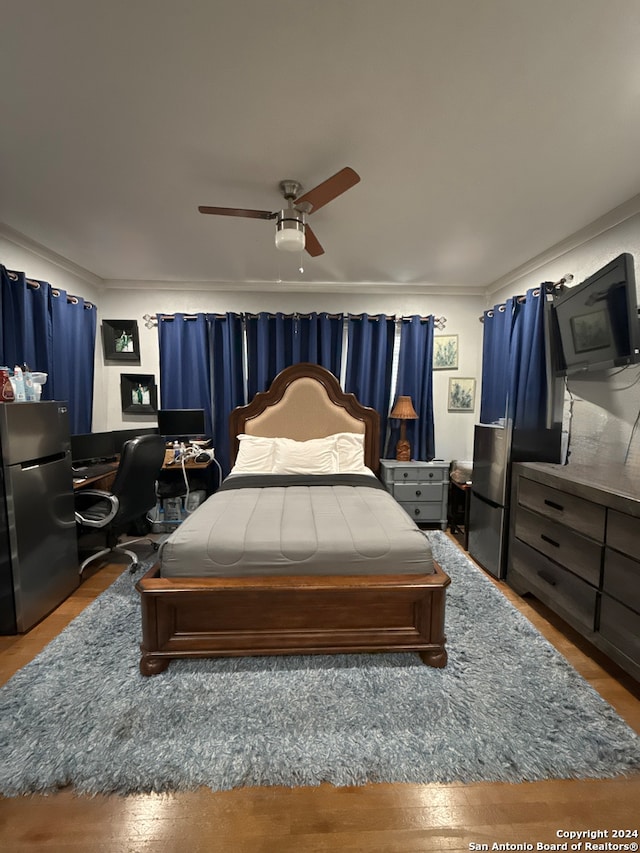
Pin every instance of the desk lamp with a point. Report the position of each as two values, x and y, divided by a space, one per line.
403 411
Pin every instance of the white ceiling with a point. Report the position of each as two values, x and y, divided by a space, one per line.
484 132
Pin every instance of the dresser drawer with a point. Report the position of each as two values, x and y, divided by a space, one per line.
418 474
565 593
621 578
576 513
580 555
422 511
417 491
620 627
623 533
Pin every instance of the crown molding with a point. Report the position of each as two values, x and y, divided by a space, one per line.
347 288
578 238
19 239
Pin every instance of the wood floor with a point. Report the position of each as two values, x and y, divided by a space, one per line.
370 819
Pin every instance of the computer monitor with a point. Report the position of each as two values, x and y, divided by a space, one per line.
92 447
181 424
120 436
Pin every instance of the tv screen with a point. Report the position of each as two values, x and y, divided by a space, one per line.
597 321
181 423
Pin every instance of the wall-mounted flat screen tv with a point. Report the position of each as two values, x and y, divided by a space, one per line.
596 322
181 423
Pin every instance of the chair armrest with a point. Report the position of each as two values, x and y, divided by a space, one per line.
95 508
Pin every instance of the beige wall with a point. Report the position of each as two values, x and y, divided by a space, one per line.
453 431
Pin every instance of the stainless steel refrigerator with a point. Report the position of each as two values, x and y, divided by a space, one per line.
38 546
494 449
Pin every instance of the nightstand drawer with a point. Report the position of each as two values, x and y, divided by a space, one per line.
423 511
622 578
418 474
580 555
417 492
576 513
565 593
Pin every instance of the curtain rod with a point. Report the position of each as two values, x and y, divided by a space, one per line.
35 285
548 286
151 320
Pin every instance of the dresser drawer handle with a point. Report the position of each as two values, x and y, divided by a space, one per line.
416 512
553 505
418 493
405 474
549 540
430 473
546 579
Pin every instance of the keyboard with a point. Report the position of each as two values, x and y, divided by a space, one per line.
83 472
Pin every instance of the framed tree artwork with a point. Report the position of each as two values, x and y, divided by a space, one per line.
462 394
120 340
445 352
138 393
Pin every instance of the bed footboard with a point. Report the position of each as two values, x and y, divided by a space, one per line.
213 617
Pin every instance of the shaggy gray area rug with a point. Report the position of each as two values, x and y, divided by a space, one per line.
507 707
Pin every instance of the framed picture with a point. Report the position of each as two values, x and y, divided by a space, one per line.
445 352
462 395
138 393
120 340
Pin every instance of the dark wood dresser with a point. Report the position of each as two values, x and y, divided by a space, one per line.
575 545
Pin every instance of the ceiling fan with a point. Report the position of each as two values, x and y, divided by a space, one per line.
293 234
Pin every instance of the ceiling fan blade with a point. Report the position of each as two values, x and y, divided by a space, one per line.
311 244
238 211
330 189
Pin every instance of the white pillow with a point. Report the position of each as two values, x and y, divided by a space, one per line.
351 453
316 456
255 455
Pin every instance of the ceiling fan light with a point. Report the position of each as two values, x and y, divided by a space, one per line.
290 231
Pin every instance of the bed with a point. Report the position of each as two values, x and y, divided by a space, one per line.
290 561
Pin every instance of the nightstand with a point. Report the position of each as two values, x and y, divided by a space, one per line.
421 488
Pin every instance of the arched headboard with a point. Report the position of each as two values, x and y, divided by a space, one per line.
306 401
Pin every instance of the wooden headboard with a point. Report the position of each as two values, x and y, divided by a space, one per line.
306 401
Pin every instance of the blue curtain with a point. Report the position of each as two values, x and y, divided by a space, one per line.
185 366
54 333
415 380
269 349
73 336
276 341
496 346
369 363
528 388
228 379
317 338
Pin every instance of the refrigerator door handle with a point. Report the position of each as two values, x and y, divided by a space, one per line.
37 463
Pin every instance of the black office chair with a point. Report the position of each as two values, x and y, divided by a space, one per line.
132 495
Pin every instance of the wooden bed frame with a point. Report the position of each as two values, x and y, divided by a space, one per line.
213 617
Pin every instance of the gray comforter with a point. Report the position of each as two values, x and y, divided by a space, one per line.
288 525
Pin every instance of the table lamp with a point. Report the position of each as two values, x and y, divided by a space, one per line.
403 411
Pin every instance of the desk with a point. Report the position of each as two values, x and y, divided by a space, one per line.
170 464
105 480
101 481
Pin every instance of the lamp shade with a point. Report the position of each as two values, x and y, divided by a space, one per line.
403 410
290 231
